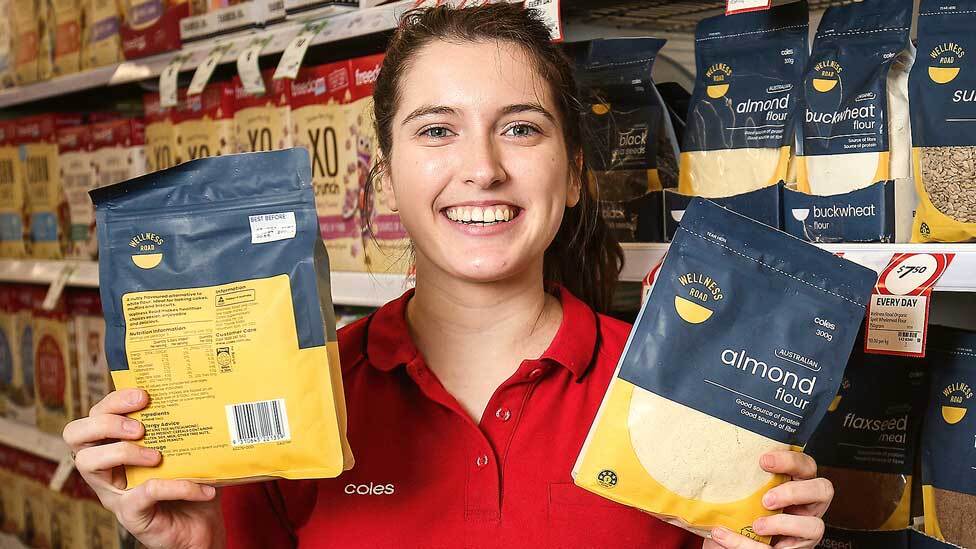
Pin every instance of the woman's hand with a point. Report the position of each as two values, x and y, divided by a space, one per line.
175 514
803 500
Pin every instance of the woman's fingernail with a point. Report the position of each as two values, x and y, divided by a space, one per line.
209 491
767 461
720 533
759 525
135 397
149 453
130 426
769 500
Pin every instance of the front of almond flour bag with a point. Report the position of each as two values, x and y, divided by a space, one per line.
215 289
738 351
854 126
943 107
740 122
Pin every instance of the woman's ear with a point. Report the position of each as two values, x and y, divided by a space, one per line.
385 188
575 181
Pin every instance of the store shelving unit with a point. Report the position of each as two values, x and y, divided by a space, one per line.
30 439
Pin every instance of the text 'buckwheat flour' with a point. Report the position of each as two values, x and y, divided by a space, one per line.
215 289
854 104
943 95
699 395
740 122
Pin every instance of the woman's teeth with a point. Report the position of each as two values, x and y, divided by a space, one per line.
488 215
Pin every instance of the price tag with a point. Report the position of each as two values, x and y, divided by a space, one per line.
167 81
205 70
650 278
742 6
548 11
56 288
898 312
291 60
247 66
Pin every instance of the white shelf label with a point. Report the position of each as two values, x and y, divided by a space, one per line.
742 6
205 70
167 81
291 59
248 69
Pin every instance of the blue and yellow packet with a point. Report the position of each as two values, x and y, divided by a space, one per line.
215 288
738 351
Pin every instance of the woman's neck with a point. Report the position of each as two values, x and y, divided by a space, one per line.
475 335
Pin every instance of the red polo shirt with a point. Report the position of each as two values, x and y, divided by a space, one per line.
427 475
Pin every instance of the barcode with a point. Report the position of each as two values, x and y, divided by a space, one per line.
907 334
257 422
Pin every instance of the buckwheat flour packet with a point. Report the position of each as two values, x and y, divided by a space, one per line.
13 203
948 449
866 443
738 351
215 290
854 103
943 96
629 142
739 129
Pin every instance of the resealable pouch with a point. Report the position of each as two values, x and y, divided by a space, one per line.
866 443
739 130
948 452
854 129
628 140
215 290
942 89
738 351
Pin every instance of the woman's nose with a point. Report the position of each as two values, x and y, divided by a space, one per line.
482 164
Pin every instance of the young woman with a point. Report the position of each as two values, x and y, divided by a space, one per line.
469 398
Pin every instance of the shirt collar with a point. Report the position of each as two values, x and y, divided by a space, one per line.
389 344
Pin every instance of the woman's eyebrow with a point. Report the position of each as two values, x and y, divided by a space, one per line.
529 107
428 110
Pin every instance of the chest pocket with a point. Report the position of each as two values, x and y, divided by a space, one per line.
578 518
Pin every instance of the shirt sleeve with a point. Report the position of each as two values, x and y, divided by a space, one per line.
266 514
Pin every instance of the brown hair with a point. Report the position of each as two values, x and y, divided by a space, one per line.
584 256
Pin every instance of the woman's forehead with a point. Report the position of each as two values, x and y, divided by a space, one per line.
474 76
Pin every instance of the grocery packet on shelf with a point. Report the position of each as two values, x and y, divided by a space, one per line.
215 290
942 90
739 128
738 351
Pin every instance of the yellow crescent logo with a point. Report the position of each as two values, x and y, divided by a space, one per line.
718 90
823 85
147 261
834 404
943 75
953 414
690 311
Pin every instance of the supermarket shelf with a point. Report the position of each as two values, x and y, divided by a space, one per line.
367 289
341 26
31 440
959 277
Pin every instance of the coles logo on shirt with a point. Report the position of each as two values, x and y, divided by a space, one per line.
370 489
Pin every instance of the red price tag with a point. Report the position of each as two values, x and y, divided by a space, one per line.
898 311
742 6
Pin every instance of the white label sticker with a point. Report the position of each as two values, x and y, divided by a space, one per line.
248 69
272 227
548 11
167 82
205 70
739 6
291 60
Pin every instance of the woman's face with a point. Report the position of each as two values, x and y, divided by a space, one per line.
479 166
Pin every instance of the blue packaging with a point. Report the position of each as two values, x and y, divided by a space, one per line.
849 136
763 205
838 538
742 111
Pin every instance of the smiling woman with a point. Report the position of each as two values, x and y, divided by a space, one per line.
469 397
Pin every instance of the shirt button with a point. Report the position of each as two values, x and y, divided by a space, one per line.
535 373
503 414
481 461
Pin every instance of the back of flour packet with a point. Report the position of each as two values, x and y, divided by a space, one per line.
738 351
215 288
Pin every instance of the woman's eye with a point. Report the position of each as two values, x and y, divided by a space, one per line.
521 130
437 132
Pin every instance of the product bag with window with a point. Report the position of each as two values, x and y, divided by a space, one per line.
740 121
215 289
943 96
854 103
13 203
949 437
628 139
738 351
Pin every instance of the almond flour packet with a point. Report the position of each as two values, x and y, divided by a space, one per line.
215 290
738 351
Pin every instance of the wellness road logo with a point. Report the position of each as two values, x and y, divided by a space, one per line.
945 62
147 250
701 294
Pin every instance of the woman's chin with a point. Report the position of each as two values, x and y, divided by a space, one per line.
487 269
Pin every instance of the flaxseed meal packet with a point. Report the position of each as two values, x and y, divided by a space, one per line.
738 351
948 449
942 89
215 290
866 444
